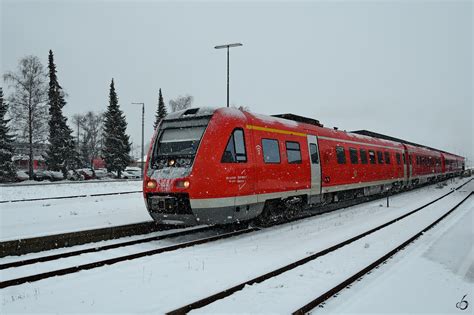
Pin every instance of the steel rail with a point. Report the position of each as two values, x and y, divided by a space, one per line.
25 262
229 291
323 297
87 181
72 197
111 261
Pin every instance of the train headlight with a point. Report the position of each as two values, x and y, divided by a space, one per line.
171 162
182 184
151 184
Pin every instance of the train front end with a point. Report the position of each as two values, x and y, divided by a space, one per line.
168 176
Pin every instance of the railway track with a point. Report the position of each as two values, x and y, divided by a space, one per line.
43 243
274 273
348 281
72 197
96 264
92 181
31 261
114 260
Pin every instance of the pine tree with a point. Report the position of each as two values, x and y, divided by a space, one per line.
116 151
7 168
160 111
61 154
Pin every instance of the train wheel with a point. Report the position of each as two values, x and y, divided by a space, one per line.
269 214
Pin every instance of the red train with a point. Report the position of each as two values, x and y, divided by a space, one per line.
218 166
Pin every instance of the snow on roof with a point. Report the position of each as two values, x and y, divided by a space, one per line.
272 120
231 112
195 111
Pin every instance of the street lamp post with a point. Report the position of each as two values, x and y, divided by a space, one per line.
228 46
143 135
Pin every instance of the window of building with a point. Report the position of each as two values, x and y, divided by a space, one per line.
372 157
341 156
380 157
363 156
387 157
271 151
353 156
313 150
235 149
399 158
293 152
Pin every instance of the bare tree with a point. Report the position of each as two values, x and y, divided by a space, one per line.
78 120
91 124
28 107
181 102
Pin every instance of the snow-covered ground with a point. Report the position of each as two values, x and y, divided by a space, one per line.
160 283
430 276
39 218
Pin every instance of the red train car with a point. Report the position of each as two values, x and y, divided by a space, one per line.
425 164
453 165
220 166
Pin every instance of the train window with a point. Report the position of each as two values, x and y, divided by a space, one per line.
417 160
399 159
372 157
271 151
235 149
293 152
363 156
380 157
240 145
353 155
387 157
404 160
313 149
409 159
341 156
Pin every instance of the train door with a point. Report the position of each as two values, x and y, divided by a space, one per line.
410 167
406 175
315 166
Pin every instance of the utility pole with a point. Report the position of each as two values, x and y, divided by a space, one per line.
142 163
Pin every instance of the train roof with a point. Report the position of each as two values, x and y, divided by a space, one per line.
300 123
293 121
382 136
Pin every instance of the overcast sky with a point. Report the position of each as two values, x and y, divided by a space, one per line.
402 68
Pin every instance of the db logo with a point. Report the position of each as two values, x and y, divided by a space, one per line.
259 149
463 304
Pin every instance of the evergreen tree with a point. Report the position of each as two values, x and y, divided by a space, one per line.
160 111
61 154
116 150
7 168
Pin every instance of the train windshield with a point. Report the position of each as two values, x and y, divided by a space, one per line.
177 143
180 141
